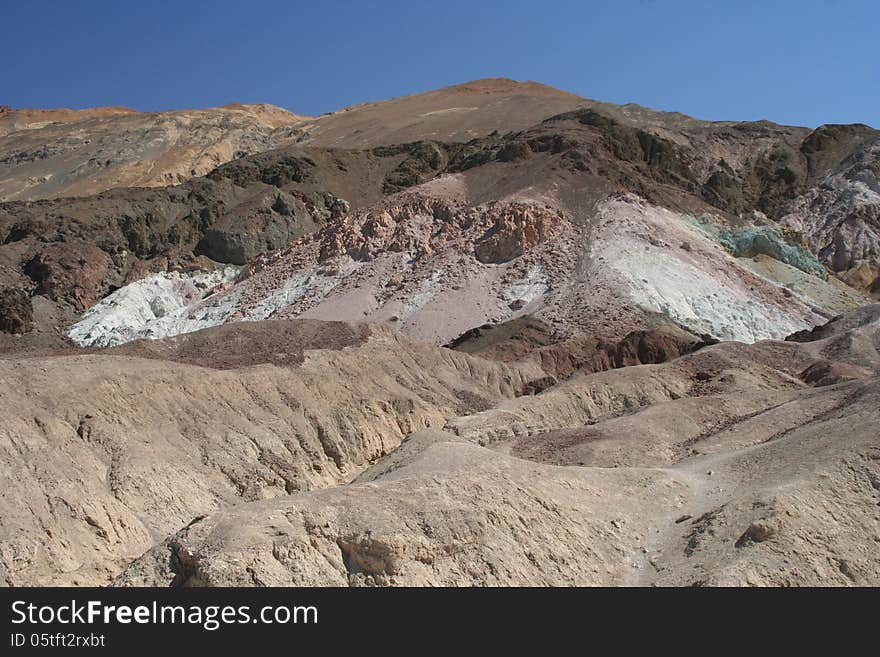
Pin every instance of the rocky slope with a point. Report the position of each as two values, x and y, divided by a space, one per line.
57 153
113 452
790 205
241 210
660 366
436 267
48 154
779 488
581 484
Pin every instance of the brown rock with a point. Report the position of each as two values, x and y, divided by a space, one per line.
72 272
516 229
16 311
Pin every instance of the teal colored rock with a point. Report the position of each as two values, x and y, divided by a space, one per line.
751 241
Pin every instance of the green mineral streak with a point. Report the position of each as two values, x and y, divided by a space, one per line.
750 241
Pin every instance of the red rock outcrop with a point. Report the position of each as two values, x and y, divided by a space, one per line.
75 273
517 228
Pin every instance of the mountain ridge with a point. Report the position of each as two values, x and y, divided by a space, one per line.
494 334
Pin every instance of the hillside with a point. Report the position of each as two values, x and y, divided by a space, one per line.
492 334
58 153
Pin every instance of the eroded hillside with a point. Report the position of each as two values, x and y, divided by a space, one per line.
493 334
428 466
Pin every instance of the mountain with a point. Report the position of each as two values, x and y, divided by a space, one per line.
453 114
494 333
58 153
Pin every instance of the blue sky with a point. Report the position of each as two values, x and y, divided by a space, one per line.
806 62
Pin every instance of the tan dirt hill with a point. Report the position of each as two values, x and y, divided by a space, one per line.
689 496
